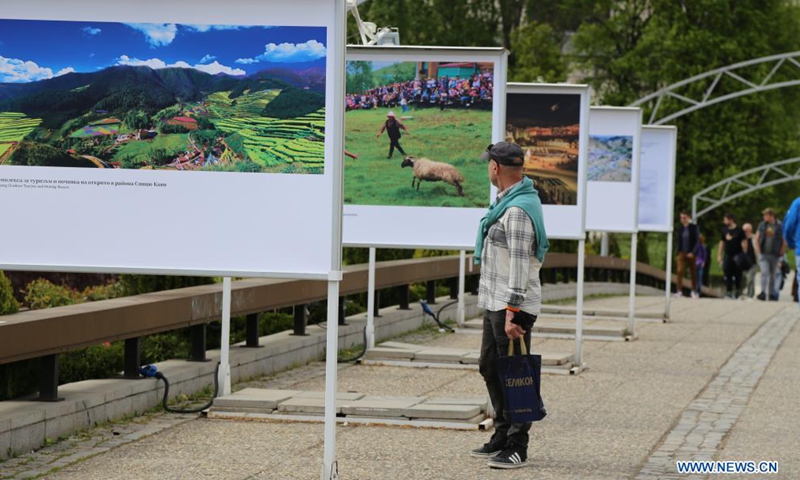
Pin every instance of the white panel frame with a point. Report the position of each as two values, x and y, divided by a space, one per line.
597 191
239 12
436 228
556 213
669 182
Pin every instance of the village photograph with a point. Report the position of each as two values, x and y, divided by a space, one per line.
547 127
163 96
610 158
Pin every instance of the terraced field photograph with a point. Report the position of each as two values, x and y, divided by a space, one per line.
218 98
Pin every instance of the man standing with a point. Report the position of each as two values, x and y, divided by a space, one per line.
511 247
770 245
392 126
731 244
750 273
688 235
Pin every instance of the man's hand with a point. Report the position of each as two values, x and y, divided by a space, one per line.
513 331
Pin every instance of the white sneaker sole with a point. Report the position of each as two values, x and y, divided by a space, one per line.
508 466
483 455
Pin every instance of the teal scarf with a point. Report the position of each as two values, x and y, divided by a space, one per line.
524 196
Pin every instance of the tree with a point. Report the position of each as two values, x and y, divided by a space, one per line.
537 54
644 45
434 22
359 76
510 18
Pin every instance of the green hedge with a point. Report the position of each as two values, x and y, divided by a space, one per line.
7 302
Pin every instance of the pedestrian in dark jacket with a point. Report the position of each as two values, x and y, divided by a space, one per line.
688 239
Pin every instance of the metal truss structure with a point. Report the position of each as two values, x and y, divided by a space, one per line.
744 183
369 32
786 63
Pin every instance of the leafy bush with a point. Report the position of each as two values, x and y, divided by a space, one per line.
138 284
269 323
44 294
7 302
102 292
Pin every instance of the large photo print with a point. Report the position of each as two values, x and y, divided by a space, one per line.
547 127
162 96
415 132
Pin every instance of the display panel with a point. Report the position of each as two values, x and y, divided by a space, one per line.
148 139
550 123
657 178
417 121
613 169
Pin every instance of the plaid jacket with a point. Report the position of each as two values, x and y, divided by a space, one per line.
509 267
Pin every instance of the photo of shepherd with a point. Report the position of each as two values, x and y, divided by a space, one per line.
415 132
547 127
222 98
610 158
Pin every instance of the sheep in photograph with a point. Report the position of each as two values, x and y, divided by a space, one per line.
430 171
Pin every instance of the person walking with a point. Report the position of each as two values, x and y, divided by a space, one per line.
511 247
392 127
702 262
688 235
791 233
750 273
732 243
770 246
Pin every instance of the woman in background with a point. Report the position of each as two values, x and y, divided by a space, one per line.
702 262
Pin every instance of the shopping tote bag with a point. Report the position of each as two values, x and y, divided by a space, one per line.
521 376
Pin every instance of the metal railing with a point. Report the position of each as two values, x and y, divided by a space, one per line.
46 333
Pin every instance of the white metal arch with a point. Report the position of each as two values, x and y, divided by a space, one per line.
792 60
744 183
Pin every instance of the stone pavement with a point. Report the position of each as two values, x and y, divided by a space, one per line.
607 422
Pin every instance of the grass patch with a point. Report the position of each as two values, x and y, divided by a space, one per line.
456 137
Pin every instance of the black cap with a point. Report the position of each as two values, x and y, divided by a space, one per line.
505 153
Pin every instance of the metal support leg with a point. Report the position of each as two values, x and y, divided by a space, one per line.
342 311
403 291
48 381
453 289
198 353
251 331
300 320
431 293
133 358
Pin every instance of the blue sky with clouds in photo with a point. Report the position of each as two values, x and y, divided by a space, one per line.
32 50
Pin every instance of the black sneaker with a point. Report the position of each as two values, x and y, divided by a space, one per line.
761 296
490 449
510 458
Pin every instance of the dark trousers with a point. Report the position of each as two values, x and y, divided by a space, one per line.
733 277
395 143
684 260
494 345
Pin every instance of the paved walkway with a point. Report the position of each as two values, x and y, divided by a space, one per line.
691 382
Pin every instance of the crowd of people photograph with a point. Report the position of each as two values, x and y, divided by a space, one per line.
474 91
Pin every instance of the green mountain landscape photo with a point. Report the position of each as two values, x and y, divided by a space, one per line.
108 109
